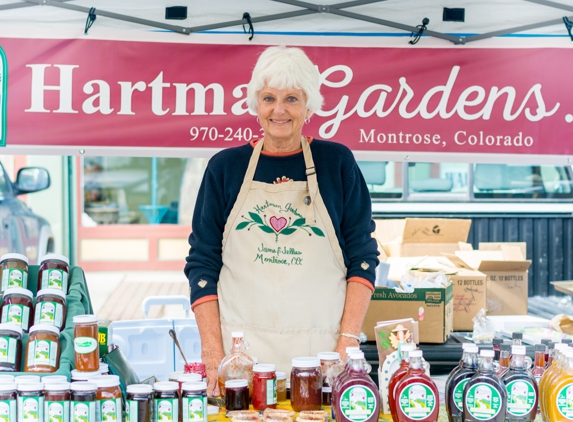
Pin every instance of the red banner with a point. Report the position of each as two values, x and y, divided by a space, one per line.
83 92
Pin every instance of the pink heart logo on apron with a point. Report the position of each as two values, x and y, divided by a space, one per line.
277 223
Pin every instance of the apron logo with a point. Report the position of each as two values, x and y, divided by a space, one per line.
277 226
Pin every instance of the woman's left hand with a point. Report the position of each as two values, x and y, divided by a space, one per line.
343 343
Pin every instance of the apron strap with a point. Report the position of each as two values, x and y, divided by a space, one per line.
311 180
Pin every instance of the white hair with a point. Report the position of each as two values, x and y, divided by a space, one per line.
282 68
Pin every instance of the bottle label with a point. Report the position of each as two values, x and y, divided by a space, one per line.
42 352
132 411
483 401
167 410
31 409
520 397
271 391
194 409
459 394
83 411
8 411
14 277
85 345
357 403
49 313
8 350
57 411
16 314
417 401
565 401
55 279
109 410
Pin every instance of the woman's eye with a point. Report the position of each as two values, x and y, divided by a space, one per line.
268 99
292 99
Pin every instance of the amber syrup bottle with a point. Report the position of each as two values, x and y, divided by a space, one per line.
497 342
504 359
397 376
539 365
457 381
545 342
521 388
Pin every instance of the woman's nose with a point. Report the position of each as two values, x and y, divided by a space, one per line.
279 107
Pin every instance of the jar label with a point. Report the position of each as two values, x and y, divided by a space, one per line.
132 415
8 411
83 411
417 401
357 403
42 352
49 313
483 401
85 345
459 394
55 279
167 410
16 314
109 410
8 350
520 397
57 411
14 277
31 409
271 391
194 409
565 401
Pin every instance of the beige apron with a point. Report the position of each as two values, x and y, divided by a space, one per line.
283 280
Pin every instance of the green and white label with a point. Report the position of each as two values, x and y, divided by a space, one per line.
83 411
16 314
8 411
565 401
272 391
8 350
42 352
14 277
109 410
132 415
84 345
49 313
57 411
483 401
167 410
358 403
55 279
194 409
417 401
459 394
31 409
521 397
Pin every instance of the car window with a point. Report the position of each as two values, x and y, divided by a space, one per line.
439 180
384 179
4 183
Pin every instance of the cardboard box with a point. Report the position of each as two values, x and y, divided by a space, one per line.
421 236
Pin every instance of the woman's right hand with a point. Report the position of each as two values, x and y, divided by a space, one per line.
212 359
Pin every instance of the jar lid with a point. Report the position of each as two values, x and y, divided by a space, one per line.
18 291
139 389
82 376
6 378
305 362
352 349
237 334
31 386
84 319
83 386
194 386
236 383
174 375
518 350
408 347
50 379
264 367
328 355
281 375
560 346
103 368
56 257
51 292
14 256
166 386
9 326
24 379
104 381
484 353
44 327
57 386
416 353
189 378
360 355
7 386
473 349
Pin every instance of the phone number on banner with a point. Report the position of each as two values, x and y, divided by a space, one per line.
206 133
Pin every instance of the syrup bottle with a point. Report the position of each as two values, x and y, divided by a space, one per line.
559 403
335 374
497 342
405 350
549 353
539 365
517 339
504 359
461 364
237 364
484 394
417 396
545 342
521 387
456 383
550 372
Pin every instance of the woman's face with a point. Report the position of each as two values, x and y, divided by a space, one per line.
282 113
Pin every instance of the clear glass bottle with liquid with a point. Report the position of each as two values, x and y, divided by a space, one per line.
457 381
521 388
559 403
539 364
504 359
397 376
237 364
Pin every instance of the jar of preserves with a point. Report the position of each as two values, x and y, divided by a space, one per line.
8 398
30 403
264 386
57 401
236 395
108 398
166 401
86 343
14 267
194 401
42 349
83 376
17 307
139 398
54 272
83 403
281 386
52 379
50 308
306 384
10 347
196 368
327 361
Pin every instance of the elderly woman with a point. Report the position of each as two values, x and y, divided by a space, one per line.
281 245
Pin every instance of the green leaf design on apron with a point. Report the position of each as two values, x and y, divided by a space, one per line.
277 226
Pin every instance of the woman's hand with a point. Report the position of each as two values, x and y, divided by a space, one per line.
208 322
343 343
212 359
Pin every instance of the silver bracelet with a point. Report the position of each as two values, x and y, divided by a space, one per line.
350 336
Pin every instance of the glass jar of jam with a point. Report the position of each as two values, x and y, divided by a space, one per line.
8 400
166 401
281 386
108 397
52 379
236 395
30 402
54 272
50 308
83 403
10 347
306 384
42 349
14 268
196 368
17 307
327 361
264 386
139 398
57 401
86 343
194 401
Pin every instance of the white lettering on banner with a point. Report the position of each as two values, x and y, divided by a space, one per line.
103 96
461 138
38 88
126 95
400 138
157 95
200 93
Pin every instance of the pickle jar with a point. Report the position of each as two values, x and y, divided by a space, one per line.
54 272
306 384
194 402
17 307
264 386
10 347
83 401
14 267
50 308
166 401
30 403
139 397
108 397
43 349
86 343
8 398
57 401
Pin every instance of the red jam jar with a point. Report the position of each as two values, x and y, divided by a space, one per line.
54 272
306 384
17 308
264 387
327 361
236 395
